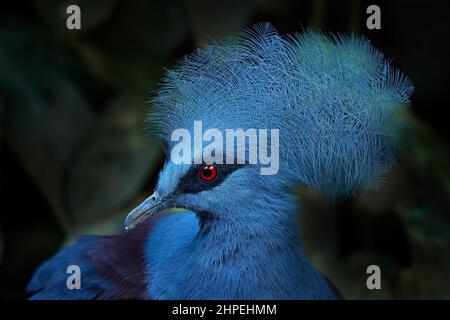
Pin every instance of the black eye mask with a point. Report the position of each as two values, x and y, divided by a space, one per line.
192 183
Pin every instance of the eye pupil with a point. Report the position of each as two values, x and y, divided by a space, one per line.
208 173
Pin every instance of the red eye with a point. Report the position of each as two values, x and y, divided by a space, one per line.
208 173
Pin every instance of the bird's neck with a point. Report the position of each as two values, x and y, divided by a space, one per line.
257 256
240 235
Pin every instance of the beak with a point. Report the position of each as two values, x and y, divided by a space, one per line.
146 209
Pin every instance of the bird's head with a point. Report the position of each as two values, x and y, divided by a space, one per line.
331 100
212 191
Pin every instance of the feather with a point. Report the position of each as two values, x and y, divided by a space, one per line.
335 100
112 267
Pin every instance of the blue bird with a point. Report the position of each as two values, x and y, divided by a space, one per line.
336 102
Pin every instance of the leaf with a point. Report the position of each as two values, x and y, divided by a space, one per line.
112 166
45 114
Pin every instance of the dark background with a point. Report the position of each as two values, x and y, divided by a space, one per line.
75 158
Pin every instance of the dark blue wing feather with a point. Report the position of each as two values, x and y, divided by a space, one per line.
112 267
49 281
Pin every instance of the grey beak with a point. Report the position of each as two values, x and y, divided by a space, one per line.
146 209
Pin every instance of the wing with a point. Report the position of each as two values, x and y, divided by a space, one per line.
112 267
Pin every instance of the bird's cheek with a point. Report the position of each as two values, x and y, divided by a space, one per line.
197 204
183 202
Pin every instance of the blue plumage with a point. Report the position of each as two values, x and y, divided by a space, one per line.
336 103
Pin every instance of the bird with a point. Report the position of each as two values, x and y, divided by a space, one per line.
337 103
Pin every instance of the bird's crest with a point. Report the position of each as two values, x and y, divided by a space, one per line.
333 99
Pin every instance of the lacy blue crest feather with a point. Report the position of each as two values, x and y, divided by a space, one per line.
335 100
